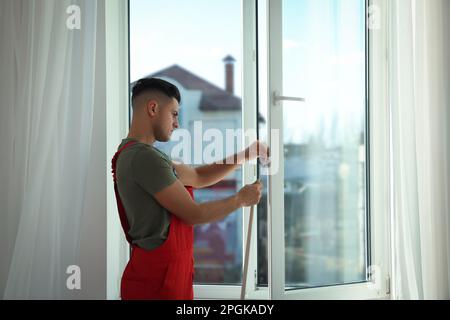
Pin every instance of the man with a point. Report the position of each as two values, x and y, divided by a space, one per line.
155 201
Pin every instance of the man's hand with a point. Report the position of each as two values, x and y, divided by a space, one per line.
258 149
250 194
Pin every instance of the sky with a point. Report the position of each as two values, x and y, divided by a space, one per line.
195 34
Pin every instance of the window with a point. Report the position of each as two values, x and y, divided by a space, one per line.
321 227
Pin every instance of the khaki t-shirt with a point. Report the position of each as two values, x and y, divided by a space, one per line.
142 170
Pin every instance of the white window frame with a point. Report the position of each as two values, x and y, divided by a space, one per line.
117 115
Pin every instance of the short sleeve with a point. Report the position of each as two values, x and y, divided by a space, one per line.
152 171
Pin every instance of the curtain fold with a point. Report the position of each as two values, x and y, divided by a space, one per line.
420 113
46 123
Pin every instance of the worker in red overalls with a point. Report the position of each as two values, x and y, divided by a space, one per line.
155 200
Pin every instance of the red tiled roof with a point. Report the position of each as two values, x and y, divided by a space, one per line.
213 97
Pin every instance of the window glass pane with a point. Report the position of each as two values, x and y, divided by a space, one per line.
324 62
197 46
324 142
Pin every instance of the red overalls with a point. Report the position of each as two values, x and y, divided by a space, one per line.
163 273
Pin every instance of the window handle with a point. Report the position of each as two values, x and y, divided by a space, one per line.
277 98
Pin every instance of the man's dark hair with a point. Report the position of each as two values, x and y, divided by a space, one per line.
155 84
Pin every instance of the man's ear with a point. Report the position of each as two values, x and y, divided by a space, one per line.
151 106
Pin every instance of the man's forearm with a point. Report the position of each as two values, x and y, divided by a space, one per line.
213 173
217 210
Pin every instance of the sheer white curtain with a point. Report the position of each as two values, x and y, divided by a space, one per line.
420 104
46 123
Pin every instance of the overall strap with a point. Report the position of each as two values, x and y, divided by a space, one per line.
120 207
